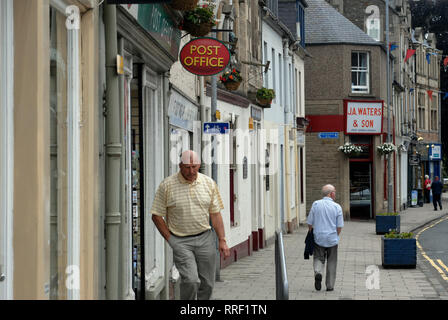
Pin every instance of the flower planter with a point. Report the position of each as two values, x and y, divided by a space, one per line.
386 223
265 102
401 253
184 5
231 85
198 30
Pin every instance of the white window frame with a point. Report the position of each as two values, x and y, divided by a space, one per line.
153 127
6 147
73 151
359 88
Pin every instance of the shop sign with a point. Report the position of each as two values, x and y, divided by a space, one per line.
204 56
157 21
435 152
363 117
414 197
182 113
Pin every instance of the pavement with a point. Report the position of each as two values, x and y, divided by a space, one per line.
360 275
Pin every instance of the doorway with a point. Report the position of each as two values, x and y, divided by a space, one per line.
361 190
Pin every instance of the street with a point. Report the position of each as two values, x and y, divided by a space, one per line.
433 245
360 275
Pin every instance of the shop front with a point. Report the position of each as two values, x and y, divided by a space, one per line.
151 117
363 122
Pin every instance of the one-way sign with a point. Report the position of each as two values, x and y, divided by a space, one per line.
216 127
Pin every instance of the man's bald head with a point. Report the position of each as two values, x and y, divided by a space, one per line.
189 165
190 157
329 190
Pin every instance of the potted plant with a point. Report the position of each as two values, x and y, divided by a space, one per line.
350 150
386 148
199 21
183 5
265 96
231 79
387 221
399 250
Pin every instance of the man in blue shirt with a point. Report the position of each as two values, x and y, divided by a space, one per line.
326 220
436 187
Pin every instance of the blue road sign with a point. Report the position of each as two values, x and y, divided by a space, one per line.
216 127
328 135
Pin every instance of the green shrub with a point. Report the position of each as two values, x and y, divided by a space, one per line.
265 93
402 235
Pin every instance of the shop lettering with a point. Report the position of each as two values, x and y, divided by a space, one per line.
364 123
204 56
364 111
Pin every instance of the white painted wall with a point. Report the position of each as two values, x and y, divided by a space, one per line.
242 229
183 79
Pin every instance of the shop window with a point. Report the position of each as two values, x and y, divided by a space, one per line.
360 72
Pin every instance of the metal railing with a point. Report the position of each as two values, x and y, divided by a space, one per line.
281 276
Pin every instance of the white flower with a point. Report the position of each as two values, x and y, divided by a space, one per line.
386 148
349 148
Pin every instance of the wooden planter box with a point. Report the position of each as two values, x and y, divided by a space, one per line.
386 223
401 253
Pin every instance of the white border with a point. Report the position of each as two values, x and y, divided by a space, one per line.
6 146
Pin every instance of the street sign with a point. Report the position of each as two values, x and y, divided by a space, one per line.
414 160
216 128
328 135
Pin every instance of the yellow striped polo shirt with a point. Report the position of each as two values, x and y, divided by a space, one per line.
187 205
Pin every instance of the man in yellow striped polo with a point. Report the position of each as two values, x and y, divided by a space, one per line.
183 207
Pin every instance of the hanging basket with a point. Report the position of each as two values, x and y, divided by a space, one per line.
231 85
198 30
184 5
265 102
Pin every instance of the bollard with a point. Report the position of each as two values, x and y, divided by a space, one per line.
281 277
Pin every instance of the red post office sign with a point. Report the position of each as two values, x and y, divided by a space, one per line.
204 56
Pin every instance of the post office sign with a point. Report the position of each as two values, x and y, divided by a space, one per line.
204 56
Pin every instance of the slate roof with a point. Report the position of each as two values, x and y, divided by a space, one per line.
325 25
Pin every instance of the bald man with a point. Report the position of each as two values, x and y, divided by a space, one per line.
326 221
183 207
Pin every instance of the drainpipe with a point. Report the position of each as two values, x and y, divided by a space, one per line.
113 157
165 294
286 134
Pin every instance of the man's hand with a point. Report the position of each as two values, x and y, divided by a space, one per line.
218 225
223 248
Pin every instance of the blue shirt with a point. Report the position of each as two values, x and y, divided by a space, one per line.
325 216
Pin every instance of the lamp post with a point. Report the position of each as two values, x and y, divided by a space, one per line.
389 134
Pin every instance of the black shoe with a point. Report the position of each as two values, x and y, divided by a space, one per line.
317 281
330 289
435 209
